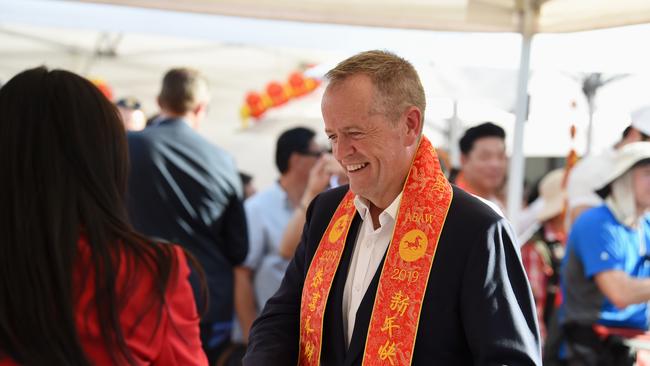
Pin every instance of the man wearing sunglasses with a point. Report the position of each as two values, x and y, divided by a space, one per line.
268 213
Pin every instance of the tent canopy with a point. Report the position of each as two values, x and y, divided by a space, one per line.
441 15
526 17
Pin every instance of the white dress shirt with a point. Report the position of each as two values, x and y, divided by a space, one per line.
369 250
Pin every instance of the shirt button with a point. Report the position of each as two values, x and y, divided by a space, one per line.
357 288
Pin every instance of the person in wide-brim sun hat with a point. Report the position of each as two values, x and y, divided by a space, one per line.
623 190
553 194
606 268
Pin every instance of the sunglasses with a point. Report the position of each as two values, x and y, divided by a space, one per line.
316 154
129 103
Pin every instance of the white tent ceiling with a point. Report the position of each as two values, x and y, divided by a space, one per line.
470 15
445 15
527 17
484 92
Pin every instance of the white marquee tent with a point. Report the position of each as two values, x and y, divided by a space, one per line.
439 15
524 16
527 17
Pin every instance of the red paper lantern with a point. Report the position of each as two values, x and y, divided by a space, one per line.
255 104
297 84
277 93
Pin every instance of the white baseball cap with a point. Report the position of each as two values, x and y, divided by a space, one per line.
625 159
641 120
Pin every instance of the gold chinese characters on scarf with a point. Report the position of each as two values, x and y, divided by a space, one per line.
396 312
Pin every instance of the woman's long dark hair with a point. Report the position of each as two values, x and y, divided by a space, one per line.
64 164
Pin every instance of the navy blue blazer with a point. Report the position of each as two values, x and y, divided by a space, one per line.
185 190
478 308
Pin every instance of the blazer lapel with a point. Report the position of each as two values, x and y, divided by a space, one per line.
362 320
334 347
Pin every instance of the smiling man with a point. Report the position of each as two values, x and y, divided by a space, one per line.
484 161
399 267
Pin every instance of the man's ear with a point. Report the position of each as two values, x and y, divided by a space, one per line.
292 162
463 159
413 122
200 109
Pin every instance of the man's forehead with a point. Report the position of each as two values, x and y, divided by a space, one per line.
357 84
489 143
348 127
352 79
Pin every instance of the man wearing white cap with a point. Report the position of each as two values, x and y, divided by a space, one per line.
589 173
606 271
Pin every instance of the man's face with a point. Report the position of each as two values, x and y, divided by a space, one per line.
374 151
133 119
633 136
485 165
305 160
641 186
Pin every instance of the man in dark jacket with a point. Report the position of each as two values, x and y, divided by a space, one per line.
185 190
400 267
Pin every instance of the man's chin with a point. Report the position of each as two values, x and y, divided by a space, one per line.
493 187
356 189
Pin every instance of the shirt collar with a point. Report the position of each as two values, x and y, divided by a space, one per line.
283 194
363 208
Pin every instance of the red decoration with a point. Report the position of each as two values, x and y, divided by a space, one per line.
255 104
297 84
103 87
276 94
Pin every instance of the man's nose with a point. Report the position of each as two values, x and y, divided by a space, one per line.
496 163
342 148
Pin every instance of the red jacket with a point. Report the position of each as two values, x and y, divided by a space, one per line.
176 339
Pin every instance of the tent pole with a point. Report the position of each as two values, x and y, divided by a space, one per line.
516 170
590 126
455 132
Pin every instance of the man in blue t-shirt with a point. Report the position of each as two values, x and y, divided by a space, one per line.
606 271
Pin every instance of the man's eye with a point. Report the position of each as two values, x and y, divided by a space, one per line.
331 137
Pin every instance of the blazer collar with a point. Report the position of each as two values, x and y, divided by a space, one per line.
362 320
175 121
334 310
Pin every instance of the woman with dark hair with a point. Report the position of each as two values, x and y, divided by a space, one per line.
77 285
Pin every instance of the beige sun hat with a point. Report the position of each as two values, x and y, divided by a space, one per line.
641 120
624 159
552 194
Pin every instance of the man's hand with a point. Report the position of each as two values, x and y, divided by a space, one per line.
319 177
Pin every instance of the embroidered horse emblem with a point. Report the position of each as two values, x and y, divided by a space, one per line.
338 228
413 245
